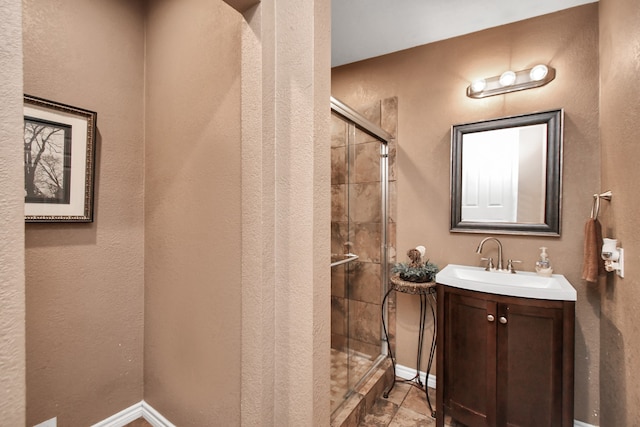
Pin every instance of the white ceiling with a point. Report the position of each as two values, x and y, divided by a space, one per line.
362 29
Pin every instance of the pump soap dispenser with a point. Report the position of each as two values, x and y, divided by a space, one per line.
543 265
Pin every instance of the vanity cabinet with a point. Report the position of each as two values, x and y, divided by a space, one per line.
504 361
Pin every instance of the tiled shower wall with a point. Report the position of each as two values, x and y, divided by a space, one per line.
357 228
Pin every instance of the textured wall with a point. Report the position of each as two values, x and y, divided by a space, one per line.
619 113
84 282
430 83
286 214
12 329
192 212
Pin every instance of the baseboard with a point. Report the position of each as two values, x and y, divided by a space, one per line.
407 373
123 417
154 417
143 410
140 410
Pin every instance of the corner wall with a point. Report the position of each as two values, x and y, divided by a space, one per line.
193 212
12 311
84 282
619 113
286 213
430 83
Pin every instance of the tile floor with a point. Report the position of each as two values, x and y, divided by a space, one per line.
406 406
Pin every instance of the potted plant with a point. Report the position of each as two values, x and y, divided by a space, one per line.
416 271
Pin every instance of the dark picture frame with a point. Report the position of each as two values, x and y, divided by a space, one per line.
59 156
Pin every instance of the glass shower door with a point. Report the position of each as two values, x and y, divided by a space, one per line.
358 246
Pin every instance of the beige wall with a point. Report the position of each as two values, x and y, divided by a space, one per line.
619 113
84 282
192 212
430 83
286 213
12 328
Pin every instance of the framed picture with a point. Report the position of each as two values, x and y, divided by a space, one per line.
59 156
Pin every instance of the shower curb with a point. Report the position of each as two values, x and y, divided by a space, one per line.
353 411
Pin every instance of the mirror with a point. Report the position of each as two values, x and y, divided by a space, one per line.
506 175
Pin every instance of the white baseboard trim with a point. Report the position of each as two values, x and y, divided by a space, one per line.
123 417
154 417
146 411
140 410
407 373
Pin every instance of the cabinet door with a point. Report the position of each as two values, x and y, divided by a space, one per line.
529 365
469 359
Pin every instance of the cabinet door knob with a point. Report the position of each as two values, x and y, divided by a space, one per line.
503 320
491 318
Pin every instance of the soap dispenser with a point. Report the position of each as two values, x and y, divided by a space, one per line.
543 265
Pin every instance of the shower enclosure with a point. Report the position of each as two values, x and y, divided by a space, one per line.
359 247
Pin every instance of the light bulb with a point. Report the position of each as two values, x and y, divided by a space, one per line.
538 72
507 78
478 85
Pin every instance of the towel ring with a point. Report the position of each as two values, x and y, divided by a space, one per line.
595 209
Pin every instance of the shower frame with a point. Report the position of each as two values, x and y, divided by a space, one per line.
355 121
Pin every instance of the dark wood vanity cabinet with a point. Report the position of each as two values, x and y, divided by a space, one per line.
504 361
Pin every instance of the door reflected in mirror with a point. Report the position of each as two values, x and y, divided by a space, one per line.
506 175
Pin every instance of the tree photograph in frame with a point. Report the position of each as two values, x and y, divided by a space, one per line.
59 156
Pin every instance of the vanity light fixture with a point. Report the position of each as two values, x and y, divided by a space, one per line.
511 81
507 78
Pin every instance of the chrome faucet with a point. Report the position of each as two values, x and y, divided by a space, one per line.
479 250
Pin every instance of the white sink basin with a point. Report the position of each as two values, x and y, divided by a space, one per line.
522 284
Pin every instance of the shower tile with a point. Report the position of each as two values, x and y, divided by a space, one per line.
393 201
338 165
381 414
393 157
363 137
364 348
352 413
366 202
389 115
399 392
338 342
365 283
338 131
339 236
372 112
367 162
368 241
377 384
338 316
337 281
364 322
391 243
339 203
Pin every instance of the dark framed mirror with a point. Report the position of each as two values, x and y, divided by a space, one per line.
506 175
